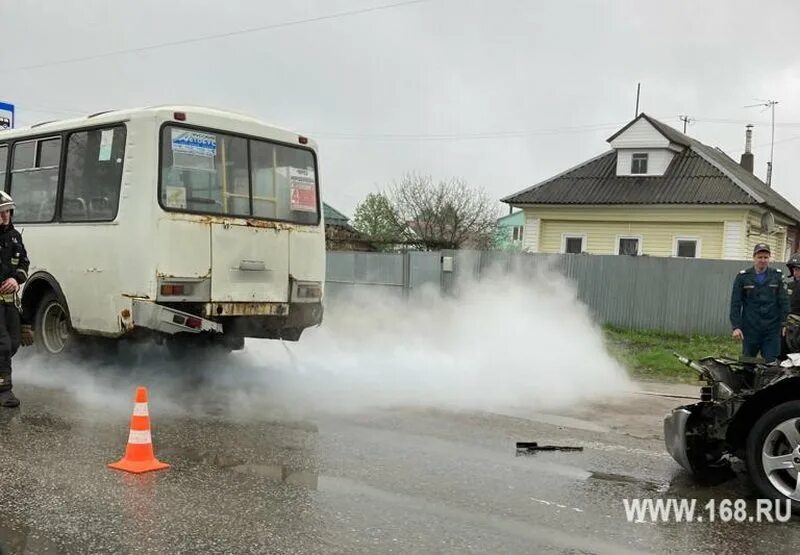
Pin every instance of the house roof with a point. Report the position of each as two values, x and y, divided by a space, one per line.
699 174
333 216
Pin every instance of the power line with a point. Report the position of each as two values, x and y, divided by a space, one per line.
457 136
480 135
744 122
216 36
765 145
399 137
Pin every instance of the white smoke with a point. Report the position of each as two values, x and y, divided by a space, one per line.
502 342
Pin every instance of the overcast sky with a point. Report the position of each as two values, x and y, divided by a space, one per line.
502 93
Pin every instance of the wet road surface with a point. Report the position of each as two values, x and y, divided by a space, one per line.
256 471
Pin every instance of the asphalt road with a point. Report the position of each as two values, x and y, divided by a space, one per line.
256 471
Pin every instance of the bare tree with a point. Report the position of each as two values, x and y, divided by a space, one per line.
445 215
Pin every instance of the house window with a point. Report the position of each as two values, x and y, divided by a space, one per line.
572 244
629 246
639 163
687 247
517 233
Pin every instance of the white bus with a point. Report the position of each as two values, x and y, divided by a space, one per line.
190 225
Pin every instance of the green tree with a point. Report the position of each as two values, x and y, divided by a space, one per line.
377 220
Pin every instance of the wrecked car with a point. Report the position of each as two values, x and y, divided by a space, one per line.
748 410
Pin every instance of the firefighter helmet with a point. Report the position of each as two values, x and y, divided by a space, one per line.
793 262
6 202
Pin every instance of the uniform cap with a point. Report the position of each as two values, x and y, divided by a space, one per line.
760 247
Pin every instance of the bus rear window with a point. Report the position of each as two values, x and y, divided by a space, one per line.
214 173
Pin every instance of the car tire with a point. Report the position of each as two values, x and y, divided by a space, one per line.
773 453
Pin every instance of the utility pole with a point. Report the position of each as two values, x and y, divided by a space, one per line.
685 120
769 104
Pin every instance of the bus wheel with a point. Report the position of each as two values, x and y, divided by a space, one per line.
52 332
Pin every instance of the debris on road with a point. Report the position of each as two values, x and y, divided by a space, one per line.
533 447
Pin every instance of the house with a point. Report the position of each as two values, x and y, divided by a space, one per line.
508 235
340 235
658 192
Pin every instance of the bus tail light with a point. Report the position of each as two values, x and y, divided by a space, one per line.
309 291
172 289
194 323
179 116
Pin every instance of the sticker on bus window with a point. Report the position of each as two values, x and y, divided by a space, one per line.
106 142
193 150
304 190
176 197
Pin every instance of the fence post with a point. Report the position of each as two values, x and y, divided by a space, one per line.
406 274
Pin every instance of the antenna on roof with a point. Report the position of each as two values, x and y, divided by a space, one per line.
768 104
638 89
685 120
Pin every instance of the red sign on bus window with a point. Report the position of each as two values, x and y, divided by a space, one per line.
304 190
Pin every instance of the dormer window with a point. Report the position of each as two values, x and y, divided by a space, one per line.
639 163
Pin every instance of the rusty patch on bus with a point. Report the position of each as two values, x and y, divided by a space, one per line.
234 221
190 279
125 320
245 309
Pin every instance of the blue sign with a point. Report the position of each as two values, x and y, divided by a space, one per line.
6 116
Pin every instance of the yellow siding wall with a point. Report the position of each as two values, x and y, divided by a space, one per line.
776 241
657 237
657 226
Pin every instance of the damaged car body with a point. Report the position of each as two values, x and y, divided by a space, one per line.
748 410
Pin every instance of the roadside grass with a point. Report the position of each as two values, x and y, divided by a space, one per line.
648 354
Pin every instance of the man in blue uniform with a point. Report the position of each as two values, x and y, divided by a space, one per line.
759 307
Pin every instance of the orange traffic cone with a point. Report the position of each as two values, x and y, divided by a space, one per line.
139 455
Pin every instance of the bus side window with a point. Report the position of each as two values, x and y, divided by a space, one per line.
34 179
94 175
3 158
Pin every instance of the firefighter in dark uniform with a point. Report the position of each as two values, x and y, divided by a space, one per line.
791 340
13 273
759 307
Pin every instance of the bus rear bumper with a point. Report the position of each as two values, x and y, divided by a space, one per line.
288 326
150 315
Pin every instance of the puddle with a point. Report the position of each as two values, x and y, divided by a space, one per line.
219 460
274 472
24 540
280 473
624 479
46 421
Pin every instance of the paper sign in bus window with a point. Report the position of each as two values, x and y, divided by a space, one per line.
193 149
176 197
304 190
106 142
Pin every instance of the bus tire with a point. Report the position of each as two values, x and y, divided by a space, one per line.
52 331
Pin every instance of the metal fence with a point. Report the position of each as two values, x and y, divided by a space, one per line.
669 294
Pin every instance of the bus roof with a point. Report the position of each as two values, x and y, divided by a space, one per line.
166 111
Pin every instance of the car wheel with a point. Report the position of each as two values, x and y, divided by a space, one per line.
773 453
